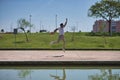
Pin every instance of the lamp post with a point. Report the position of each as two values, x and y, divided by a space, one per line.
30 22
56 20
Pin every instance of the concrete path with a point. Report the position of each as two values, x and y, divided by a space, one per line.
57 56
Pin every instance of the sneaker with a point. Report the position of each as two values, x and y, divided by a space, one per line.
63 50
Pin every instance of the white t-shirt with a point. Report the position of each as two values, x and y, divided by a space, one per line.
61 31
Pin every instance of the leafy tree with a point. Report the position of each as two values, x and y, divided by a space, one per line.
28 31
2 30
106 9
22 23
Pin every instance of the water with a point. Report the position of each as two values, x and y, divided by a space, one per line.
60 73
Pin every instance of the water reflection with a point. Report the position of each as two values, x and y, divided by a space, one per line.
60 73
58 77
105 74
24 73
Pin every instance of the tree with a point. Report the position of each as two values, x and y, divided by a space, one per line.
2 30
106 9
22 23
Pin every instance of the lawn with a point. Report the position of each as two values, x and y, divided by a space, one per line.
42 41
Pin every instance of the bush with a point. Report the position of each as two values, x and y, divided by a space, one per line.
116 34
102 34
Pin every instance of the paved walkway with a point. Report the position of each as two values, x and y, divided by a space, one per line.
57 56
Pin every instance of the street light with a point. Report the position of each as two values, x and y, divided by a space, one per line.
30 22
56 20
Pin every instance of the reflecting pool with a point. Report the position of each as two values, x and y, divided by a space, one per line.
60 73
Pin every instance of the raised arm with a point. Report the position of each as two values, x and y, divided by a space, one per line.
65 22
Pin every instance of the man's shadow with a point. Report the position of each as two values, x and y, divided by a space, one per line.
58 77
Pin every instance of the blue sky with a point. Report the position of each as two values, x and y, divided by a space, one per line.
44 11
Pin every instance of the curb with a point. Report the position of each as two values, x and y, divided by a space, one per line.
59 49
60 63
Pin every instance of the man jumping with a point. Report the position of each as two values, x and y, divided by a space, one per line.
61 34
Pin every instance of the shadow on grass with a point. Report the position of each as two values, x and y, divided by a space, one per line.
19 42
101 46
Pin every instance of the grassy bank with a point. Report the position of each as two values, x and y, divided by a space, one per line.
42 40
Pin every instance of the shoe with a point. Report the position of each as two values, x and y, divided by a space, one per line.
63 50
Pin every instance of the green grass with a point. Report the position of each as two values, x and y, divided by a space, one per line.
42 40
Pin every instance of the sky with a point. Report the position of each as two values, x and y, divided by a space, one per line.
44 14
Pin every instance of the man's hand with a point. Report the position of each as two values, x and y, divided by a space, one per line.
65 22
66 19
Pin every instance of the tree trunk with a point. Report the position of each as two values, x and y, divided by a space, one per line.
110 74
110 31
105 41
26 36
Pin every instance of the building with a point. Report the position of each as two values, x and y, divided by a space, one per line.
118 26
103 26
